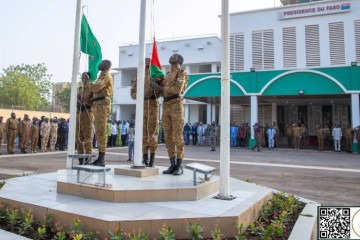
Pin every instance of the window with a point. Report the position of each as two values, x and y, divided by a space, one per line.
337 44
357 39
312 42
289 47
237 52
263 49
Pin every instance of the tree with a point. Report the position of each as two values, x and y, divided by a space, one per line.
64 97
25 85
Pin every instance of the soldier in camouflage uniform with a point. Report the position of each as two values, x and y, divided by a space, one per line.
102 89
53 134
44 133
174 84
24 132
11 130
150 121
34 134
2 130
85 117
213 132
349 138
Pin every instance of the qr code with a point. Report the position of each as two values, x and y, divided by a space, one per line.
334 223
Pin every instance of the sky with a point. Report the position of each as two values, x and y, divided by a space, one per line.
42 31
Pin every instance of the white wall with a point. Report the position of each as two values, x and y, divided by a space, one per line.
194 113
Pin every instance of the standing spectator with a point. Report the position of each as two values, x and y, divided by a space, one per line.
349 138
53 134
277 131
108 130
271 134
289 135
118 137
44 133
124 133
40 122
337 134
194 133
213 133
24 132
303 139
320 135
187 130
241 135
207 135
257 136
113 134
63 131
2 129
11 130
131 140
34 135
247 134
296 134
233 135
200 132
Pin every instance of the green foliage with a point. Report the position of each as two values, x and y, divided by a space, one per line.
195 230
25 85
272 220
26 222
216 234
166 233
118 234
41 233
138 236
64 97
12 218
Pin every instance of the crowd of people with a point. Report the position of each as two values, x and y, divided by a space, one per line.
32 135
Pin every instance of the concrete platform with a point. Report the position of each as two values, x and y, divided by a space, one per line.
40 193
136 188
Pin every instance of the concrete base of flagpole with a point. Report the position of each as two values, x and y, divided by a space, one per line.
136 171
137 166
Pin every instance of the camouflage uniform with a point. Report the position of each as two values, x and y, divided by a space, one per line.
44 133
11 129
320 134
297 136
53 135
85 118
173 112
349 138
24 132
150 120
34 135
103 87
1 132
289 134
213 132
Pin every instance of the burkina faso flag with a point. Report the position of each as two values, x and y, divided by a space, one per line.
156 72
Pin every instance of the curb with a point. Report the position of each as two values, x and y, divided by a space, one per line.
11 236
306 225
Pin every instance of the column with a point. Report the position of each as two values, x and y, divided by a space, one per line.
213 67
355 118
273 113
187 69
160 111
118 114
208 113
254 117
186 113
213 112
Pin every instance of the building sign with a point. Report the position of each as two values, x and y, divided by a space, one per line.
311 10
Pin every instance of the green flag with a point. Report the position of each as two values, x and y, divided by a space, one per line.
90 46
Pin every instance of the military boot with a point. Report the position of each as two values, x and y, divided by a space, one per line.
81 161
172 167
100 160
152 158
178 170
145 159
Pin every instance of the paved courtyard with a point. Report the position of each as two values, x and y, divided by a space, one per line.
327 177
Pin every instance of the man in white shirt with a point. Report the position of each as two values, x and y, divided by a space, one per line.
114 133
337 134
200 132
271 137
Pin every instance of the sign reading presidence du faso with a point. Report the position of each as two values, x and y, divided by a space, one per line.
309 10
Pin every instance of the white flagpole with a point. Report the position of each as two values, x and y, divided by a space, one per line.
140 90
73 98
225 103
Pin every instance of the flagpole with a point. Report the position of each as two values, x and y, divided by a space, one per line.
139 115
225 103
73 96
